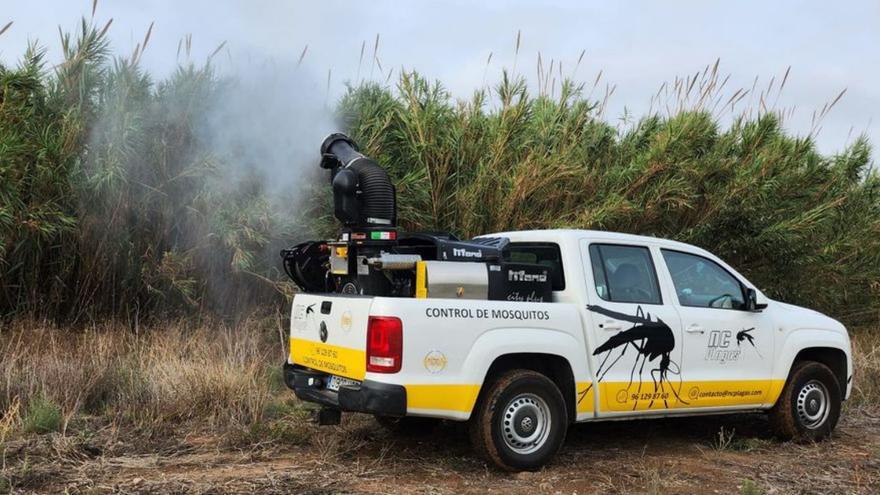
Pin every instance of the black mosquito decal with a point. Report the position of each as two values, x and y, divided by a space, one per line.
746 335
650 339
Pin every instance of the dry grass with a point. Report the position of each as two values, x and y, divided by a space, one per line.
159 380
201 407
866 360
154 380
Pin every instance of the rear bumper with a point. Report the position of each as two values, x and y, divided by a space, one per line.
369 397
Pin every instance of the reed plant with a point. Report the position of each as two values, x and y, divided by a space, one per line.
113 204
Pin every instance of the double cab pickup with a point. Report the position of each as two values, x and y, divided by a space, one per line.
636 327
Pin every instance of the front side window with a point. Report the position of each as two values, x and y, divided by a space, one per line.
702 283
624 274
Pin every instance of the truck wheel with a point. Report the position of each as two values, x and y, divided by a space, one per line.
408 426
809 405
521 421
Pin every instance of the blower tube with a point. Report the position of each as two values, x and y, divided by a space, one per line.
363 194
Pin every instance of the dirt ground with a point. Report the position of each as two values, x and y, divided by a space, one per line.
732 454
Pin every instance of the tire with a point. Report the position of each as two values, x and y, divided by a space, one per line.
809 406
520 422
408 426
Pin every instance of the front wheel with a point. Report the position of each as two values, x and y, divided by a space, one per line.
521 422
809 406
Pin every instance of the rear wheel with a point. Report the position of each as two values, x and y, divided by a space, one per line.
521 421
408 426
809 406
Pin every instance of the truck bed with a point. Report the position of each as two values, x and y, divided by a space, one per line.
448 344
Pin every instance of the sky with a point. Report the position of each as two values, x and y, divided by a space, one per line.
637 45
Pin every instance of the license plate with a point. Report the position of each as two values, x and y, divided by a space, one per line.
336 381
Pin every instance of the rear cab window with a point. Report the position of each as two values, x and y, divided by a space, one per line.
624 274
541 253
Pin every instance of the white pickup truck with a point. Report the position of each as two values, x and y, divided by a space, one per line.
637 327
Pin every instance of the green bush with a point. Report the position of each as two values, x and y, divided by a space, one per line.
749 487
112 203
111 200
804 227
42 416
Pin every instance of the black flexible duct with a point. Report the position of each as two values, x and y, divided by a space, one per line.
377 205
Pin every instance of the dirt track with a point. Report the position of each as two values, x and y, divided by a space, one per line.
669 456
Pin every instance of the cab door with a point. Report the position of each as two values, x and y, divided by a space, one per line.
636 334
730 348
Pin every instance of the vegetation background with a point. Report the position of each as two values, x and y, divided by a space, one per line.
141 294
113 204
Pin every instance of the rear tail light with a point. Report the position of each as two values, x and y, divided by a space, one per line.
384 344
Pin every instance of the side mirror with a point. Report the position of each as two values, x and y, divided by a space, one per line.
754 301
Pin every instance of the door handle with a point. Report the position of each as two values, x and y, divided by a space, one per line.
695 329
611 325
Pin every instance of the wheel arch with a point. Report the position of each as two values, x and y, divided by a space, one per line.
559 354
555 367
828 347
832 357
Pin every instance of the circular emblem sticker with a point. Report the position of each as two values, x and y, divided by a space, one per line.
345 321
435 362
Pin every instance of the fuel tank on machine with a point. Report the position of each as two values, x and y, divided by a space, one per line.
493 281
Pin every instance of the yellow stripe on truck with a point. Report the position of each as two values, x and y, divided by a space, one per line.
442 397
462 398
342 361
617 396
584 397
626 396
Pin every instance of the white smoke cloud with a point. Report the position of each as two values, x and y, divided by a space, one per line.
271 120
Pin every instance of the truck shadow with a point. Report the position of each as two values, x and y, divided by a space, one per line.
449 444
663 431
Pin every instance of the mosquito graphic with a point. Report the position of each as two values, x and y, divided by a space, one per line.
745 335
650 339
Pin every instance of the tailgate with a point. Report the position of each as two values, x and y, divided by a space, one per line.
329 333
